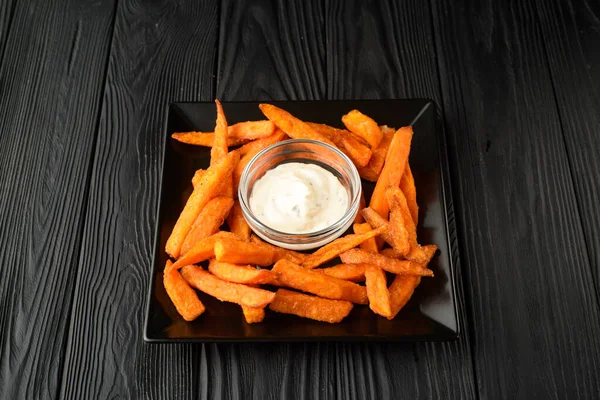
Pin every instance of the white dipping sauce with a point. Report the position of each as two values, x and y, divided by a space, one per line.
298 198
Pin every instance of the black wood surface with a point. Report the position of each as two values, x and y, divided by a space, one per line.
49 103
6 14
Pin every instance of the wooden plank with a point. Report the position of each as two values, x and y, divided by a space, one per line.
162 51
535 319
571 32
6 14
51 83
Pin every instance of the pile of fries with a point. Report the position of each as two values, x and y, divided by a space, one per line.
384 243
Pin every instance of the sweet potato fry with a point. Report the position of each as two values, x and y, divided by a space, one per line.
372 170
377 221
240 273
377 291
338 246
359 219
346 141
219 148
205 139
418 254
251 130
184 298
208 221
395 266
237 223
402 228
280 252
236 251
347 272
294 127
393 168
407 185
253 315
206 189
197 177
390 252
401 290
363 126
368 244
203 250
312 307
297 277
226 291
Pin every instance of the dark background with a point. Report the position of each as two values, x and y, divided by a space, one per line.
83 91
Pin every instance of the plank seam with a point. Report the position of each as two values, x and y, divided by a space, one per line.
66 341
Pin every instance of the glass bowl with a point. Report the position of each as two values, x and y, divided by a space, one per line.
309 152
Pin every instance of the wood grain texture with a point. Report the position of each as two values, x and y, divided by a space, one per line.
535 318
571 32
6 14
50 91
162 51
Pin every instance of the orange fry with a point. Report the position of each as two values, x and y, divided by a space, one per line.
373 169
338 246
393 168
377 221
419 254
237 223
402 228
202 251
346 142
206 189
251 130
369 244
359 219
363 126
401 290
253 315
347 272
377 291
197 177
395 266
297 277
219 148
205 139
280 252
236 251
184 298
312 307
240 273
294 127
226 291
407 185
208 221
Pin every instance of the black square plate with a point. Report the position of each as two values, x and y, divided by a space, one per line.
431 314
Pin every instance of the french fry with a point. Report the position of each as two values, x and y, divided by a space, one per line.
312 307
419 254
197 177
377 221
393 168
401 290
203 250
294 127
369 244
184 298
225 188
251 130
391 253
279 252
338 246
253 315
237 223
208 221
363 126
377 291
245 274
372 170
297 277
359 219
205 139
219 148
236 251
347 272
206 189
402 228
226 291
407 185
395 266
346 141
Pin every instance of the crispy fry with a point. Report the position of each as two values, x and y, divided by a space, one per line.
346 141
236 251
419 254
401 290
369 244
393 168
377 221
237 223
219 148
206 189
280 252
294 127
377 291
373 169
208 221
197 177
347 272
363 126
402 228
253 315
390 252
395 266
312 307
407 185
297 277
251 130
240 273
184 298
225 188
338 246
205 139
226 291
202 251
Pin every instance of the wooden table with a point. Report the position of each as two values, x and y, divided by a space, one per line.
83 91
